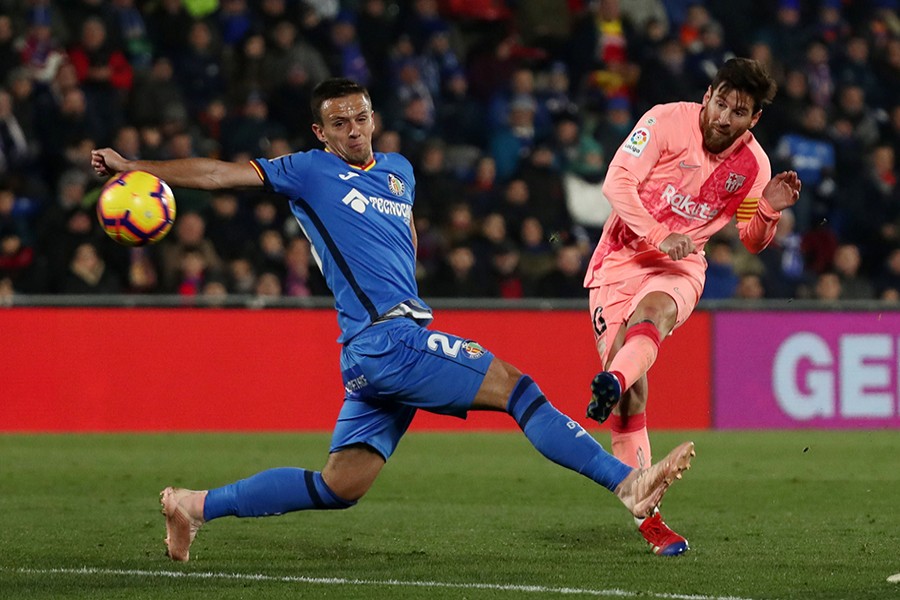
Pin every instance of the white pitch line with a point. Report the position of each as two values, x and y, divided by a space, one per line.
533 589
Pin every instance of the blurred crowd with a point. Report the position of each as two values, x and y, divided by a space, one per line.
509 110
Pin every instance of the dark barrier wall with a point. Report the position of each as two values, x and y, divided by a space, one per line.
171 369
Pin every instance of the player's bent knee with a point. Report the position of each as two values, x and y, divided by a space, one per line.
498 383
350 473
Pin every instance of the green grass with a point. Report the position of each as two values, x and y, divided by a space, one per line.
776 515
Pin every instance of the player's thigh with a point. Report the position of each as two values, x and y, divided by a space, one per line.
372 424
666 299
614 305
610 307
403 363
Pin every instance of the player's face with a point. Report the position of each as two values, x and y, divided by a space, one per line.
347 128
725 117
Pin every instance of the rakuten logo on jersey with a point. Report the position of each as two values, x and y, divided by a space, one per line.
684 205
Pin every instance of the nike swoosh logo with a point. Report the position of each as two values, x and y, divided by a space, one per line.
684 165
350 175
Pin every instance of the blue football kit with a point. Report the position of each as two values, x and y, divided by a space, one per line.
358 221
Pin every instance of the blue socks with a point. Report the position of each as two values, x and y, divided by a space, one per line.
556 436
561 439
272 492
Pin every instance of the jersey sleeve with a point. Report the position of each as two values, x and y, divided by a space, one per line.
756 219
286 174
631 164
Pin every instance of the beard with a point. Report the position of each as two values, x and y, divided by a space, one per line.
715 140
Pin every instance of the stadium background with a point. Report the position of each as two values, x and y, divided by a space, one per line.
510 119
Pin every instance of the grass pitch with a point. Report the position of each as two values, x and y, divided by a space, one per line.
770 516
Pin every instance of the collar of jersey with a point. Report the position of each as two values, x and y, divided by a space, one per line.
364 167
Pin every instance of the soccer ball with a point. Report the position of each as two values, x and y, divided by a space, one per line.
136 208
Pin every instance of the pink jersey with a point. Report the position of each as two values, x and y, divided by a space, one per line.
662 181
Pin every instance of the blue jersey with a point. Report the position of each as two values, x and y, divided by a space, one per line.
358 222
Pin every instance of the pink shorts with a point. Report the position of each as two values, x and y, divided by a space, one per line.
612 305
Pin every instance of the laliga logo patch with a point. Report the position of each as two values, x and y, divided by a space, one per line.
636 143
473 349
395 185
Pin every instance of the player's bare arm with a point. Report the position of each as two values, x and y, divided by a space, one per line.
199 173
783 190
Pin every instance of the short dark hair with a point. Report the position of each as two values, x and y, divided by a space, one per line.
336 87
746 76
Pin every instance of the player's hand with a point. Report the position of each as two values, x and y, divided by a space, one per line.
107 161
678 246
783 191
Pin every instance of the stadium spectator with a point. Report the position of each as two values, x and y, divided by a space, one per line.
302 277
847 265
16 151
514 141
168 27
546 192
665 77
811 154
130 31
788 35
828 287
646 275
537 257
597 69
721 278
199 69
376 30
9 57
887 279
565 280
41 51
345 57
783 265
459 275
88 273
189 236
786 116
750 287
105 75
391 364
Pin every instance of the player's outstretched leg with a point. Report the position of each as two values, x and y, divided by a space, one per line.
605 394
642 490
184 517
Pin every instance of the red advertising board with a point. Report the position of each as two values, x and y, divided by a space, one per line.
148 369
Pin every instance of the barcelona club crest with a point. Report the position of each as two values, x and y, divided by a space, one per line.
734 182
395 185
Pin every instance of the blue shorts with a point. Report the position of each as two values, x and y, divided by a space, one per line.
396 367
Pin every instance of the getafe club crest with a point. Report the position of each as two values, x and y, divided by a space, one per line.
473 349
734 182
396 186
